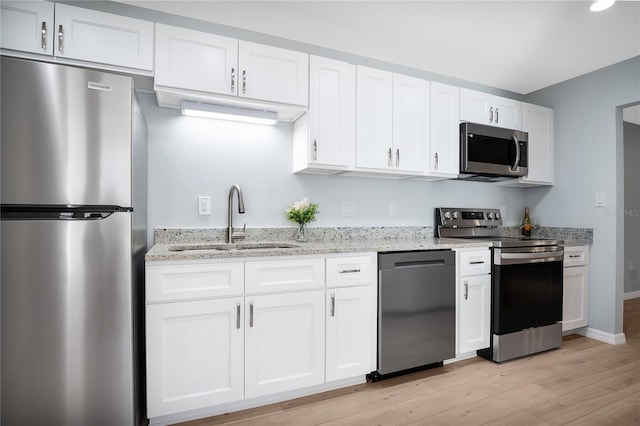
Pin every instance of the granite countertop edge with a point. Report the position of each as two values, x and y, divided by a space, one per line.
161 252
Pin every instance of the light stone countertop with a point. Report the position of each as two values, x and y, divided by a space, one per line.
331 240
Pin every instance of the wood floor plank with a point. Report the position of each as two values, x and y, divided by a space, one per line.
521 418
623 412
388 416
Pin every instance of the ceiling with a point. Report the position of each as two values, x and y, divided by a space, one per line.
520 46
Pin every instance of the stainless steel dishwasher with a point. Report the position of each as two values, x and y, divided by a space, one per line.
416 311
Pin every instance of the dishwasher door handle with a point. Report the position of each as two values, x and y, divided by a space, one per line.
419 263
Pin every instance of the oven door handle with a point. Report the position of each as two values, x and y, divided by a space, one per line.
517 258
517 162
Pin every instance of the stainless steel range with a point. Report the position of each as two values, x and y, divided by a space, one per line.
526 283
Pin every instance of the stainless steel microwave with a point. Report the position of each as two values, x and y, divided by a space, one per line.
490 153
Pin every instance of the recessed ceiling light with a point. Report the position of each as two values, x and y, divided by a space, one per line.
599 5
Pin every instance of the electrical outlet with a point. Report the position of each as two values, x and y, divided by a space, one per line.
204 205
600 199
349 208
393 209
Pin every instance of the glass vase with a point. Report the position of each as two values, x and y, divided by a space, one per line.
301 235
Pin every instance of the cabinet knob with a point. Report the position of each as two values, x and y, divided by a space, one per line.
466 290
250 314
491 115
497 116
244 82
238 315
436 163
389 159
233 81
333 304
315 149
398 157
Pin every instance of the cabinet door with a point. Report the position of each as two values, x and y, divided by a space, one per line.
332 108
374 107
575 297
273 74
101 37
537 121
194 355
474 304
27 26
475 107
410 123
349 332
507 113
195 60
284 342
444 140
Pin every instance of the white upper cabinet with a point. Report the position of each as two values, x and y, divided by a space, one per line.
444 139
324 139
77 33
273 74
410 123
374 109
537 121
216 58
27 26
483 108
203 67
392 121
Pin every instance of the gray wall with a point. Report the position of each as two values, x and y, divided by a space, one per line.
589 159
631 207
189 157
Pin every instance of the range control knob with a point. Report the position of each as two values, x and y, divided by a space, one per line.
497 216
491 216
447 215
455 215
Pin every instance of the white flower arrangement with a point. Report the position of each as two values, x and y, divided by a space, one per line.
302 211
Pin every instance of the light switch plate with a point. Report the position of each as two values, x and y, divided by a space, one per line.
600 199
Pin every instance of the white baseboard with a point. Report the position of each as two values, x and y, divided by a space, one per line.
612 339
632 295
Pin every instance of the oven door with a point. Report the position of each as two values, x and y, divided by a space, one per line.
527 288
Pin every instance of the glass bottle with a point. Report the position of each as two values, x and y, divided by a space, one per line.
526 223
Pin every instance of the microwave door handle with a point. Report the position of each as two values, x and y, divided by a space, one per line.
515 165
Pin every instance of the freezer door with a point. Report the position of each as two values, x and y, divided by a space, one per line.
67 345
66 135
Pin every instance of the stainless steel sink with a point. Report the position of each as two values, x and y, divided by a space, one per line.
235 246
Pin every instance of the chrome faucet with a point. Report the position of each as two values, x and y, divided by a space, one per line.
232 235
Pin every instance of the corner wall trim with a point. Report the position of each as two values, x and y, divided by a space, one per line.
612 339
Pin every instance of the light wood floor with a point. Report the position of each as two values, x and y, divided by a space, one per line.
585 382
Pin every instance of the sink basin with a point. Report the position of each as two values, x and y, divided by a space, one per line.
235 246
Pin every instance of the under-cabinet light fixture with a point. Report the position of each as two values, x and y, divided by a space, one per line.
225 112
599 5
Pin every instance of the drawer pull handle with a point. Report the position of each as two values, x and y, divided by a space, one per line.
477 262
349 271
250 314
238 315
574 256
333 304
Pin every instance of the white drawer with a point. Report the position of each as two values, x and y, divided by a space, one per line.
284 275
476 262
350 271
194 281
576 256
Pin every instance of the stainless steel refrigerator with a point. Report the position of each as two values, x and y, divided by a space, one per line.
73 232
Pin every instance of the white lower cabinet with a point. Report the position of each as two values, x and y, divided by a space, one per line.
194 355
473 269
213 342
575 291
284 342
349 332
